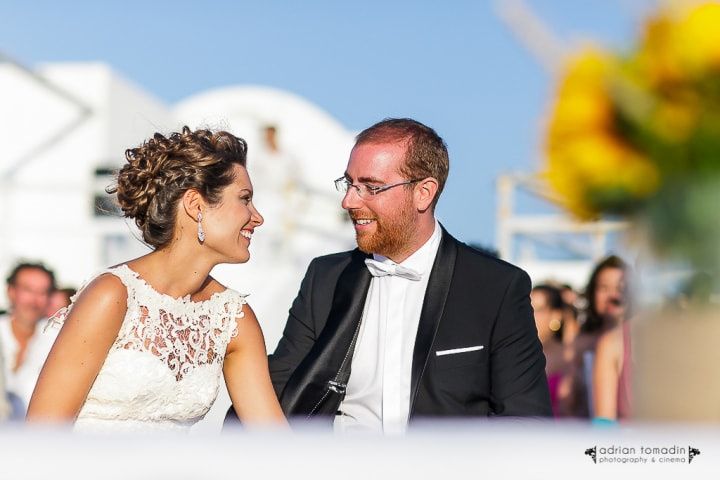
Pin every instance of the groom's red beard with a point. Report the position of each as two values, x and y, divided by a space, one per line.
392 235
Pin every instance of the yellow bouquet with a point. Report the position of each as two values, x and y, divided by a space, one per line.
637 134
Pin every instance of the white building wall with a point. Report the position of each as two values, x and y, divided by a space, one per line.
47 177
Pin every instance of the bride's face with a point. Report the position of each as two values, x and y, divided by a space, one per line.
229 224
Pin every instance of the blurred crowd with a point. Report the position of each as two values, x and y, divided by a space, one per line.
585 339
586 342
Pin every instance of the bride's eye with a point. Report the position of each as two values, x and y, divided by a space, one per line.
246 199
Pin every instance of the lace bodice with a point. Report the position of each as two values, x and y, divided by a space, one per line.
163 370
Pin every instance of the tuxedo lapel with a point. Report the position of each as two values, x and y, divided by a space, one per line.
432 310
308 384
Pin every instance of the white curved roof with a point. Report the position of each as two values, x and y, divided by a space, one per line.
305 130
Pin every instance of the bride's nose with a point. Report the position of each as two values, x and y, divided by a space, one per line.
255 216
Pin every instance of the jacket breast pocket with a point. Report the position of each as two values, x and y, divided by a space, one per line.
454 358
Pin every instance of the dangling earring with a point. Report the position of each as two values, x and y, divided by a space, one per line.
201 232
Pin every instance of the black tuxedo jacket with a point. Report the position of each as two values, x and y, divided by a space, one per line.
471 300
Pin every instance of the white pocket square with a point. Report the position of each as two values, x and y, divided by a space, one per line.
440 353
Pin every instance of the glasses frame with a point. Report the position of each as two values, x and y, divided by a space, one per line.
342 185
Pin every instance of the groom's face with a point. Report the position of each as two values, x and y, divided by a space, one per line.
384 223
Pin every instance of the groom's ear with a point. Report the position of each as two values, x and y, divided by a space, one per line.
193 203
425 192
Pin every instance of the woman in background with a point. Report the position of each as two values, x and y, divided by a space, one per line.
613 355
604 340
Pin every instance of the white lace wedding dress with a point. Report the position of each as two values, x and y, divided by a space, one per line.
163 370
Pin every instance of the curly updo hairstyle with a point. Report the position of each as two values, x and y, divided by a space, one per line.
158 173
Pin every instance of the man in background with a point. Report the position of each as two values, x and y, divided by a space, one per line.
23 344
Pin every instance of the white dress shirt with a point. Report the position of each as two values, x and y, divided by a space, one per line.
21 382
378 392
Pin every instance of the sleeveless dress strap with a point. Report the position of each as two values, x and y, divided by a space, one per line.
57 319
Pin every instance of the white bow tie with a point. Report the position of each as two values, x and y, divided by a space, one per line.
379 269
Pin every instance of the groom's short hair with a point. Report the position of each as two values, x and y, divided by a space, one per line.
426 153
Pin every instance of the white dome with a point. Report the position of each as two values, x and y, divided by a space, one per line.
306 131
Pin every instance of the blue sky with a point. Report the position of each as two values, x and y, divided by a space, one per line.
453 65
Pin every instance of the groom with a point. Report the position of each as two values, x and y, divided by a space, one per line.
412 323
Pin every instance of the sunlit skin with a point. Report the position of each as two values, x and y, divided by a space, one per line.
29 297
398 221
181 268
609 303
609 357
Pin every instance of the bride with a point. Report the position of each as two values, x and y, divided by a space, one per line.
143 345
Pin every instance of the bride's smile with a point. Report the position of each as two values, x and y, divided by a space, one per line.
229 225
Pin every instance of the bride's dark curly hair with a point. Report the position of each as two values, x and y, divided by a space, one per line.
158 172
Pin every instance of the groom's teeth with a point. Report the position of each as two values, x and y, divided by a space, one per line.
363 222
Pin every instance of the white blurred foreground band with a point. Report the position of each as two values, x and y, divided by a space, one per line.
466 449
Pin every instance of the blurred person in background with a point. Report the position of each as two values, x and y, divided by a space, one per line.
570 321
276 171
548 307
5 406
611 373
606 296
24 346
59 298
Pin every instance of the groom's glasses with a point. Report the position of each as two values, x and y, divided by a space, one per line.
364 190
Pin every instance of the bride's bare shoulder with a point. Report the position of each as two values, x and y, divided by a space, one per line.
106 285
105 293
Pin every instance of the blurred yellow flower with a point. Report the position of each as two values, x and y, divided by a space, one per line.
681 43
675 119
582 103
657 58
697 38
584 167
624 126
